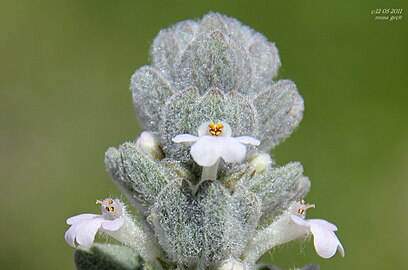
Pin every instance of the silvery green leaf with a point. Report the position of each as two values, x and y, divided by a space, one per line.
215 52
229 176
106 256
150 92
280 109
212 60
262 55
176 119
178 169
265 61
139 176
216 207
240 114
176 220
214 21
202 229
211 107
243 220
278 187
169 44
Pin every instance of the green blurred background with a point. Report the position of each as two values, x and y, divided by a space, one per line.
64 99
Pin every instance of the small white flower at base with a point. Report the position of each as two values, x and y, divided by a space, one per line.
261 162
325 240
85 226
214 141
290 226
151 144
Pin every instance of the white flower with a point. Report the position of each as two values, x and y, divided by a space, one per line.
85 226
292 225
325 240
214 141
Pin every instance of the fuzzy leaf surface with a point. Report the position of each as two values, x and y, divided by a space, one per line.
106 257
280 109
277 187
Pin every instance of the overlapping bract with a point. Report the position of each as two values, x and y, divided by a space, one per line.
215 69
212 70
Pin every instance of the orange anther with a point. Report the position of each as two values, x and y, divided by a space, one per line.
215 129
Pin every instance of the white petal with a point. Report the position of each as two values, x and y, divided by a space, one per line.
340 248
86 231
184 138
324 223
113 225
70 235
325 241
226 130
205 151
231 150
300 221
78 218
203 129
248 140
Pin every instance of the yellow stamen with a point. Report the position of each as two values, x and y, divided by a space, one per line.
215 129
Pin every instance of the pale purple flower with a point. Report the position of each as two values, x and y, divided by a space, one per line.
85 226
214 141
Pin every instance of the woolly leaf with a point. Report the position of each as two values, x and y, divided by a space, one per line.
106 257
240 115
150 92
176 221
213 61
169 44
141 177
177 120
243 220
215 207
278 187
265 60
280 109
201 229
